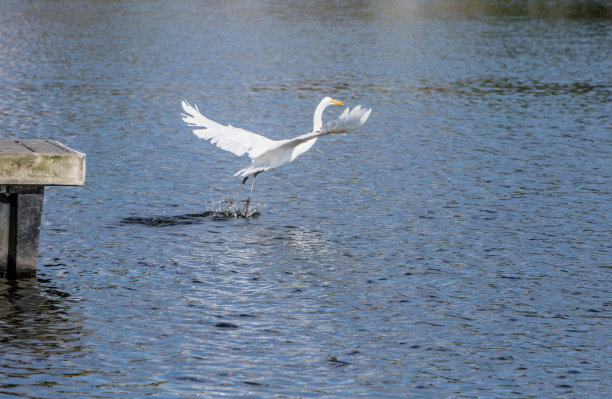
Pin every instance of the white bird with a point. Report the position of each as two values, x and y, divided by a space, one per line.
267 154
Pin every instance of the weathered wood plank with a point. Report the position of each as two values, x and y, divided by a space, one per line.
41 163
43 146
13 147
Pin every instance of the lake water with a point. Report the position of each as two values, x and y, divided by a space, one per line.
458 245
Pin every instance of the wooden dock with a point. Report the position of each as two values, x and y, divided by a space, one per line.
26 167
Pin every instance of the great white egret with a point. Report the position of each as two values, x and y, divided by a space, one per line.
267 154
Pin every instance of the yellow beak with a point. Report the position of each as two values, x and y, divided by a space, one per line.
337 102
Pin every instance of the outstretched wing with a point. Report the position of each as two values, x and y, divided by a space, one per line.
235 140
347 121
350 119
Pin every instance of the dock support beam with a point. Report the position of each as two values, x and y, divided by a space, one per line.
20 218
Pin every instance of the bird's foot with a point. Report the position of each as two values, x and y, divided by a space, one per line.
245 210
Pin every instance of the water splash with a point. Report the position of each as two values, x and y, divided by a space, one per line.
219 210
225 209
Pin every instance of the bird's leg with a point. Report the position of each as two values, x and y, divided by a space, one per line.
248 201
236 196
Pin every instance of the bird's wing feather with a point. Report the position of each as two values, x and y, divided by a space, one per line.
235 140
350 119
347 121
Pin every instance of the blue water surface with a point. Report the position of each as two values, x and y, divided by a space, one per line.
458 245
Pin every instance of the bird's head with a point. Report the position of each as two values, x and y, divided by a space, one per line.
318 115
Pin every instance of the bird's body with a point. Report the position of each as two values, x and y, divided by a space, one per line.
267 154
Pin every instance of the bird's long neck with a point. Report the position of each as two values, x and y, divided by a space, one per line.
317 122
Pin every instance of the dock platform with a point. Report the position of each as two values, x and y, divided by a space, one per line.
26 167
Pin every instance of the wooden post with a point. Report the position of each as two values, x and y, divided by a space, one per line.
21 214
26 167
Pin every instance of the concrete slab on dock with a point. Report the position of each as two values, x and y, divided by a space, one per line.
40 163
